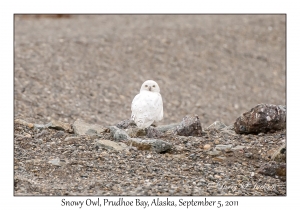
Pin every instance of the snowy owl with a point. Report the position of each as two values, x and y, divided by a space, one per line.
147 106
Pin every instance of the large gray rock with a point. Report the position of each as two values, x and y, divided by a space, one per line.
82 128
190 126
156 145
261 119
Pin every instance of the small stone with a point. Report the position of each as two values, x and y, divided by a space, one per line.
109 145
118 134
273 169
206 147
165 128
190 126
239 147
60 126
151 144
59 134
153 132
91 132
280 154
214 153
41 134
27 135
135 132
223 147
72 139
252 173
248 155
55 162
216 126
126 124
23 122
81 127
217 141
219 159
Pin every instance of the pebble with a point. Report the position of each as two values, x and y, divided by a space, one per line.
206 147
27 135
223 147
214 153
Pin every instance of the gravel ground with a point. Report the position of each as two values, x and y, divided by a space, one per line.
50 162
91 67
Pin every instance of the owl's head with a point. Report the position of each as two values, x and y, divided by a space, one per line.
151 86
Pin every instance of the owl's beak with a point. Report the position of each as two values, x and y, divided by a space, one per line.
149 88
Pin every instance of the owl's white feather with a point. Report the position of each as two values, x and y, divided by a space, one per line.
147 106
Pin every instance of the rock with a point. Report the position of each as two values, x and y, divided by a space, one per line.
228 129
60 126
110 145
118 134
216 141
59 134
216 126
261 119
206 147
273 169
190 126
39 126
223 147
126 124
219 159
80 127
248 154
23 122
72 139
41 134
136 132
164 128
153 132
27 135
239 147
91 132
280 154
156 145
213 153
55 162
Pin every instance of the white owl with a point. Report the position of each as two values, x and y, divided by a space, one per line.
147 106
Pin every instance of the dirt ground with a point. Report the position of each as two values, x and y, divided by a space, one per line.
92 66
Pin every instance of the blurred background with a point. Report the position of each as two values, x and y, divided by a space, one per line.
91 66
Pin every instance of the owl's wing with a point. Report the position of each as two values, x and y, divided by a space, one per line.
144 109
159 113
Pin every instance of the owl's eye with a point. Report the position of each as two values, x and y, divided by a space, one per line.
146 85
153 86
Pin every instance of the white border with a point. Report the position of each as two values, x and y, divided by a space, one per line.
10 7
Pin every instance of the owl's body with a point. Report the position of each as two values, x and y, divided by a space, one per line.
147 106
